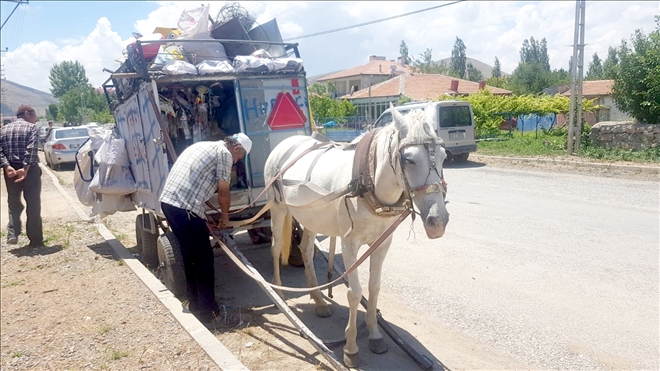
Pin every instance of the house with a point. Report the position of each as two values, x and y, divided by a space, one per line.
601 91
419 87
378 69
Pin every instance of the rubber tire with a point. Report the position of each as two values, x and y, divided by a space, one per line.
171 271
448 159
462 157
48 163
147 242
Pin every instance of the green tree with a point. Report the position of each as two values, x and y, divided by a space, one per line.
530 78
610 64
533 51
71 103
637 83
458 58
425 64
498 82
403 53
497 69
473 74
66 76
595 71
52 111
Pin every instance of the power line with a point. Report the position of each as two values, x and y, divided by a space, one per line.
371 22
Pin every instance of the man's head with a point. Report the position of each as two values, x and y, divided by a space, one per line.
50 124
239 145
27 113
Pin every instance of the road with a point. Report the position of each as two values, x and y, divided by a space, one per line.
538 269
554 270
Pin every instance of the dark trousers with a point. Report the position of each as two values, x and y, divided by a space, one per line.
30 188
193 236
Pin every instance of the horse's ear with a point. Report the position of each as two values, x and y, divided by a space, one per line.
397 117
431 112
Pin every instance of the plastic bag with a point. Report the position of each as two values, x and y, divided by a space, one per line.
86 165
113 177
177 67
248 63
207 67
194 21
168 53
105 205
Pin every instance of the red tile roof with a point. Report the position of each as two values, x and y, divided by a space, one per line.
594 88
375 67
421 87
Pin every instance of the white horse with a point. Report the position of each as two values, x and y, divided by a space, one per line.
406 160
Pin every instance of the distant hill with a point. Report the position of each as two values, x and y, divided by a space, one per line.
17 94
485 69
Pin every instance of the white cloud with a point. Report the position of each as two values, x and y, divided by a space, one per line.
488 29
30 63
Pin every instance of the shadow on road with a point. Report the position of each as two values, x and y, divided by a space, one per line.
464 165
27 250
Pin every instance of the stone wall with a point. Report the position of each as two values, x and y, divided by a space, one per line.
625 134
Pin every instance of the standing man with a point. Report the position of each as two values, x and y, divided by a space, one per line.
202 168
19 142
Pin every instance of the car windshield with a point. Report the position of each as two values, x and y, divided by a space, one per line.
71 133
455 116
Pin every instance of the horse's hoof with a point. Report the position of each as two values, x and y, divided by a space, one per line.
351 360
323 312
378 346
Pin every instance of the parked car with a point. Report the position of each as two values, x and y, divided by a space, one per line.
42 136
62 144
455 126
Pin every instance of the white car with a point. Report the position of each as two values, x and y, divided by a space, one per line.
62 144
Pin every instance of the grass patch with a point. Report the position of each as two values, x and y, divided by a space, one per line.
14 283
17 354
104 329
118 354
61 235
553 143
120 262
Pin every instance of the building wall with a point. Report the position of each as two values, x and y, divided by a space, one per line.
625 134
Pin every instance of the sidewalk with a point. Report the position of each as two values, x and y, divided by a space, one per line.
84 302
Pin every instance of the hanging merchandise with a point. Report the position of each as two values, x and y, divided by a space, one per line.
183 124
197 132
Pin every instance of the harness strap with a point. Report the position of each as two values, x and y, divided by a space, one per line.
353 267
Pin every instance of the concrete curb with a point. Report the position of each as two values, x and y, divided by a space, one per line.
645 169
220 355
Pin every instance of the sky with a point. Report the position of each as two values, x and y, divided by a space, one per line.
95 32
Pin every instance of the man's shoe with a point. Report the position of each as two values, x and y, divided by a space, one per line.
12 240
218 319
36 244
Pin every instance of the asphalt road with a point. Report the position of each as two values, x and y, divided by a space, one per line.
551 269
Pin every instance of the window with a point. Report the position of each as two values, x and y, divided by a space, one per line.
455 116
73 133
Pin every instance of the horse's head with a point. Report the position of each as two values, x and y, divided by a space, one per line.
421 154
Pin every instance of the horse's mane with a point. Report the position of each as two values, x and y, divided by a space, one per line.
419 131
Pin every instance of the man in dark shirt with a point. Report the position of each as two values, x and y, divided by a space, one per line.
19 142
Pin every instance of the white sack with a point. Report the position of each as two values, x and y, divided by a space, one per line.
176 67
194 21
113 177
207 67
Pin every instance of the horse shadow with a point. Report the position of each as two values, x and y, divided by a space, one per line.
236 290
464 165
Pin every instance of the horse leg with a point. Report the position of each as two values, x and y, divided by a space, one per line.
376 342
307 248
278 217
349 254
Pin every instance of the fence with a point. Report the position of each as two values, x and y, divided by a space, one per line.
344 129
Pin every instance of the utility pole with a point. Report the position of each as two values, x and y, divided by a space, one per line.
18 2
575 114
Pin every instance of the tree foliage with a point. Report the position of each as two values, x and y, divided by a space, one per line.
473 74
533 72
425 64
533 51
71 103
403 53
66 76
490 109
458 59
497 69
610 64
323 106
595 71
52 111
637 78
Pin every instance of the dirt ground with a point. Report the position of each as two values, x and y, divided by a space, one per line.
72 305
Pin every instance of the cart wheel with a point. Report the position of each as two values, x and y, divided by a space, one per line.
260 235
171 264
146 241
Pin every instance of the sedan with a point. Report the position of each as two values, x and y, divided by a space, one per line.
62 144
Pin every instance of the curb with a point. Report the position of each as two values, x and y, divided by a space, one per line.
219 354
644 169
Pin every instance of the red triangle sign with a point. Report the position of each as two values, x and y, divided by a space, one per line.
286 114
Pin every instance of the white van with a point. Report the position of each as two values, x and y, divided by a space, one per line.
455 126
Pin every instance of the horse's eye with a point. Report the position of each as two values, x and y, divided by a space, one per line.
409 161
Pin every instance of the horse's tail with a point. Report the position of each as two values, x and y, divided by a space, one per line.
287 231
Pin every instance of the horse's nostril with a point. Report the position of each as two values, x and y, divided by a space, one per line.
432 220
